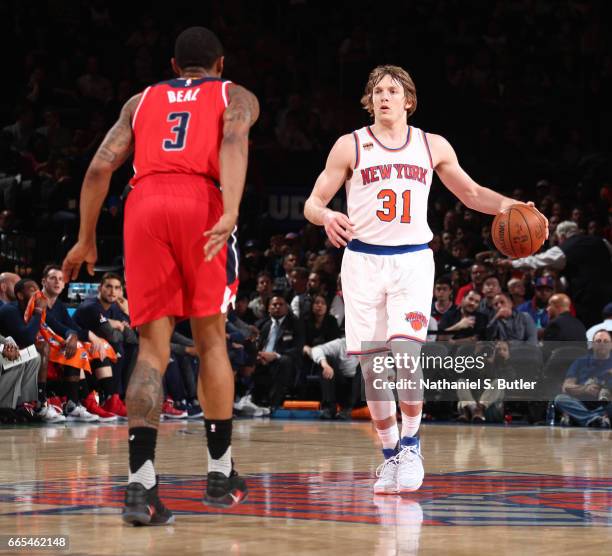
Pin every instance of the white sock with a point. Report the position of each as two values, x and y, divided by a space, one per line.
223 464
410 425
389 437
145 475
381 410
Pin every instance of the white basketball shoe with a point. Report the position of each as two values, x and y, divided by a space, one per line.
386 474
410 472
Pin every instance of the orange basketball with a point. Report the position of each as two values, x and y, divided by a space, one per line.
518 231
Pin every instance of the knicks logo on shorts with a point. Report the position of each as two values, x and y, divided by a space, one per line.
416 319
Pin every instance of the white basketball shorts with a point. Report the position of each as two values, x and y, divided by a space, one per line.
386 297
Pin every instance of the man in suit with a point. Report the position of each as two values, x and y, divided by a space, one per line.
280 348
562 326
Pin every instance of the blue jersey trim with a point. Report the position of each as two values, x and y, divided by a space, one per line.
361 247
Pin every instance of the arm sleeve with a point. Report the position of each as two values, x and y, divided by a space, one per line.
61 322
329 350
11 322
551 258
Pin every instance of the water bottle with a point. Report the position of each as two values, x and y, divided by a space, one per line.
550 414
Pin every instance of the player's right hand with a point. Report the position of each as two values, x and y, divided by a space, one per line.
218 235
81 253
41 303
338 227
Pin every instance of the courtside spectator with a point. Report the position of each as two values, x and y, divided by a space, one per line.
242 309
516 290
7 286
280 351
490 288
586 389
510 325
282 284
478 273
486 404
442 301
302 301
18 382
339 378
259 304
605 325
536 306
319 326
586 263
562 326
464 323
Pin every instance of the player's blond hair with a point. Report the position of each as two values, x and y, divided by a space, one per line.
397 74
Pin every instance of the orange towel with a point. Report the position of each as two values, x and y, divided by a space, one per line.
84 351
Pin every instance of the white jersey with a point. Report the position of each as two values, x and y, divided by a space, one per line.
387 193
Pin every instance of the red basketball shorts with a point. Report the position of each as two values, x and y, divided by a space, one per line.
166 275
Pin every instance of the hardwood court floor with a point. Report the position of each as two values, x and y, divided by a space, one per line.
517 490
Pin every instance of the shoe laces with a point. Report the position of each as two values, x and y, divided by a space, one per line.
387 466
408 454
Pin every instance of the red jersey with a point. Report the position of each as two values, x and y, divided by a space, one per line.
178 128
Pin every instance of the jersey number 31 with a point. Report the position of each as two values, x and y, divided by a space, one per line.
177 143
389 211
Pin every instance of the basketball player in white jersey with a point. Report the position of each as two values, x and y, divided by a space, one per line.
388 268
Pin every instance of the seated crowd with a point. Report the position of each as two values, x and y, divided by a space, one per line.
286 342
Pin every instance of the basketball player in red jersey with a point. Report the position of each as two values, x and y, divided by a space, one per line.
190 141
387 267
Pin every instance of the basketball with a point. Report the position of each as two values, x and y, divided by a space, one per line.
518 231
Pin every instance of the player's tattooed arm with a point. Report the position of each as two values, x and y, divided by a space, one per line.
112 153
241 113
118 144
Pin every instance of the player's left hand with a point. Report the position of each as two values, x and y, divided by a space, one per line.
218 235
81 253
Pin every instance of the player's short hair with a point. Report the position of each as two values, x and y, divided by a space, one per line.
49 268
197 47
111 276
566 228
445 279
397 74
20 286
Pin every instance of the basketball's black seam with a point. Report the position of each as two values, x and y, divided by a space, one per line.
529 230
508 232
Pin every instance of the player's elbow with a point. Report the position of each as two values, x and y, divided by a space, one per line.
99 169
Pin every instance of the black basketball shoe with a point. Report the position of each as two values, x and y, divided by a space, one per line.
225 492
143 507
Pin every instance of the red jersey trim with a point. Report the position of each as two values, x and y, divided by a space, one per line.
224 93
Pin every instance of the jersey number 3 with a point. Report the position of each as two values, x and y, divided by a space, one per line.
177 143
389 211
